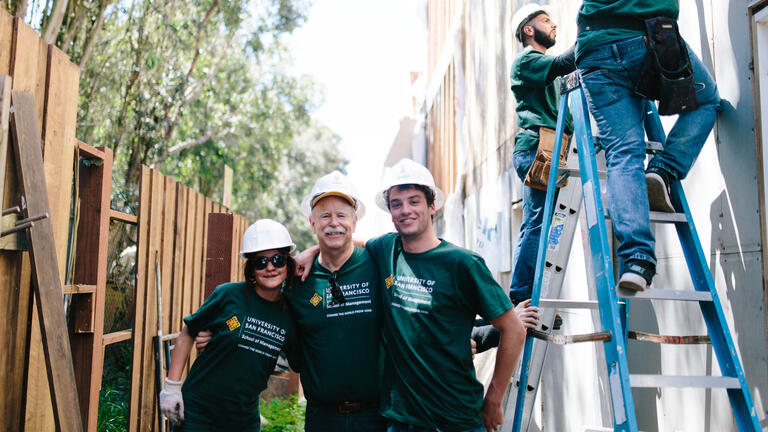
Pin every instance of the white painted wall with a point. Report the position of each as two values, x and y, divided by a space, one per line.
722 189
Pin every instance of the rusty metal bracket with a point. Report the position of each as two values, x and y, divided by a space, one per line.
12 224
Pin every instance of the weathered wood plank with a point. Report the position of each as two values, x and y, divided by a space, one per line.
5 114
188 305
6 42
145 197
115 337
176 306
28 68
28 65
15 298
167 255
59 137
45 275
218 258
91 268
147 398
123 217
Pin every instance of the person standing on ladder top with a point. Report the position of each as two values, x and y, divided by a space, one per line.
611 52
535 84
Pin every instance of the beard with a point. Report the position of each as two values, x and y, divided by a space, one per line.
542 38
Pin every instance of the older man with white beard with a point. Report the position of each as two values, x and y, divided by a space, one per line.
337 313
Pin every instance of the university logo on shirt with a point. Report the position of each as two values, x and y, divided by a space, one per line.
389 281
233 323
315 300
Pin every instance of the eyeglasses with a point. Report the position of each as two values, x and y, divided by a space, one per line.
338 295
279 261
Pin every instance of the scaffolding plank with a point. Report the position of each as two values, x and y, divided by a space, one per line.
45 274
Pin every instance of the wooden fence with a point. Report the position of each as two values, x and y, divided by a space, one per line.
172 227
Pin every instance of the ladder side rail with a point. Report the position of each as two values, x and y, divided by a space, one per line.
569 197
615 349
541 255
722 341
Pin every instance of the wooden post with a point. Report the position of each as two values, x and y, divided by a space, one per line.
218 259
91 269
45 272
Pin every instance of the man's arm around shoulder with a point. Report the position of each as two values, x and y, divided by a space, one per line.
510 345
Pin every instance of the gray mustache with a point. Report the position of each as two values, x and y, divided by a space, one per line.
336 230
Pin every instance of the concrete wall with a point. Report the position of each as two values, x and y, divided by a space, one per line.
723 192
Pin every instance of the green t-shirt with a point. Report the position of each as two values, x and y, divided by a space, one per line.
605 9
537 98
340 343
248 335
430 303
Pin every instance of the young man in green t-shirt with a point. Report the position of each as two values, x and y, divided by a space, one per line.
432 292
535 84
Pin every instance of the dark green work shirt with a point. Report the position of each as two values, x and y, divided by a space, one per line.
537 98
606 9
340 343
248 335
430 303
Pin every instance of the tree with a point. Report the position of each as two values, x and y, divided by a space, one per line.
188 87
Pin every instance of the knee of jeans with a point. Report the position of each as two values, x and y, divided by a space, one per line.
626 154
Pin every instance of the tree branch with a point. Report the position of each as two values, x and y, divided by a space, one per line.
93 34
54 21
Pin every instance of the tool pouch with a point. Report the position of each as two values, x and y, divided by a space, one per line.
667 73
538 174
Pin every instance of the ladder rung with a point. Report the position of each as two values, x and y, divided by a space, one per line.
659 381
662 217
662 294
668 217
604 336
569 304
575 172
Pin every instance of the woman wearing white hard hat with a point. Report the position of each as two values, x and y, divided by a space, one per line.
251 324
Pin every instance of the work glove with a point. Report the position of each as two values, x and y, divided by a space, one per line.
171 402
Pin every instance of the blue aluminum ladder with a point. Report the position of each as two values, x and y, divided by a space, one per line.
613 313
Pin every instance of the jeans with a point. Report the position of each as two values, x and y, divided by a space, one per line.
530 230
395 426
608 76
321 419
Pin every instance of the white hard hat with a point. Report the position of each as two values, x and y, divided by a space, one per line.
525 14
265 234
408 172
333 184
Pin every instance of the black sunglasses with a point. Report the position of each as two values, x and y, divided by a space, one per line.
279 261
338 295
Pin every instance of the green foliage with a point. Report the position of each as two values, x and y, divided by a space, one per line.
114 396
188 86
283 415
